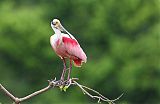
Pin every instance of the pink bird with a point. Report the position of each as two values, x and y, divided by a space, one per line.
66 46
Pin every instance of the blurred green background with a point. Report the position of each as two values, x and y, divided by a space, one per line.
120 37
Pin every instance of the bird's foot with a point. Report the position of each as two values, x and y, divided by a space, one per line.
67 84
64 85
61 84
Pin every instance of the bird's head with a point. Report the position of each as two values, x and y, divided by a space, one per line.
56 23
57 27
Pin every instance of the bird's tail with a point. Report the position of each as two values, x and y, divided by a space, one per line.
77 62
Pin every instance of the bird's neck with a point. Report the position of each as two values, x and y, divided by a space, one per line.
58 34
57 31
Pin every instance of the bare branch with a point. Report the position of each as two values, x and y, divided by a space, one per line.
7 93
99 96
35 93
18 100
63 85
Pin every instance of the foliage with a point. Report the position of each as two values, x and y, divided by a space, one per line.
120 38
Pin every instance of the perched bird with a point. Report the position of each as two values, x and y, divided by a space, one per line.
66 46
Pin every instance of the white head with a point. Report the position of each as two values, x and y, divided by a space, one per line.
55 24
58 28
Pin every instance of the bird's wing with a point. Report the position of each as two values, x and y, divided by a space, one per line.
68 36
73 48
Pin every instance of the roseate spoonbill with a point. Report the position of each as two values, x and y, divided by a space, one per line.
66 46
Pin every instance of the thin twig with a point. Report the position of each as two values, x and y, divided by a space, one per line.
7 93
99 96
35 93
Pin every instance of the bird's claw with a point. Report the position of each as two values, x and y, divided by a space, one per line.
65 88
61 87
65 84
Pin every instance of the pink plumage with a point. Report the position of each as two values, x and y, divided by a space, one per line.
66 46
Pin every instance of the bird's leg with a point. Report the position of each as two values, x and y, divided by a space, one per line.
70 69
64 69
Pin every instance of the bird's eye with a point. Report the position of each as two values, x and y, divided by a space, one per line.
53 23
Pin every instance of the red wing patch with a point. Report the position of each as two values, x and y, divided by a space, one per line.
77 62
69 40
